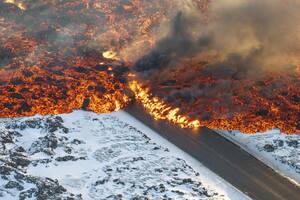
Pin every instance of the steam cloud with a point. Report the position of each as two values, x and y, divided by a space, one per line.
248 36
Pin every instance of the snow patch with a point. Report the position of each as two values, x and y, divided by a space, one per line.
83 155
277 150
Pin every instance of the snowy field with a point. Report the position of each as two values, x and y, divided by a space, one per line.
279 151
83 155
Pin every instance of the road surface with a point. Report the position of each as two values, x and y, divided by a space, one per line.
224 158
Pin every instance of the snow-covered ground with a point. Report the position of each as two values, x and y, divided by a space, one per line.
278 150
83 155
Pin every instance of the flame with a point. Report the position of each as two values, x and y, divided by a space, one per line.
41 75
110 55
249 109
162 110
159 109
20 5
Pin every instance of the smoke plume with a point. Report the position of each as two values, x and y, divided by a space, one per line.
238 61
250 36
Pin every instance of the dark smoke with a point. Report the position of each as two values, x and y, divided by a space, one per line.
240 61
250 37
69 27
177 45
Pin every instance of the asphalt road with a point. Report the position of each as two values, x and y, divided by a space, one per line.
224 158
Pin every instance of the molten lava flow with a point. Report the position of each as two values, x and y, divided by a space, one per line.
225 103
36 90
159 109
53 58
58 56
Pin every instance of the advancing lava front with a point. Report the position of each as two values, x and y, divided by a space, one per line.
59 56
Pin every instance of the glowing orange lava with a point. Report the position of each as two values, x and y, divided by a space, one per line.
59 56
159 109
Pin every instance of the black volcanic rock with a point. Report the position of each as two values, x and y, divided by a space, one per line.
85 104
16 96
13 184
269 148
81 69
16 81
168 83
262 112
101 67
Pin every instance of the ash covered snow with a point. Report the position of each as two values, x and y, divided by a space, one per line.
83 155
